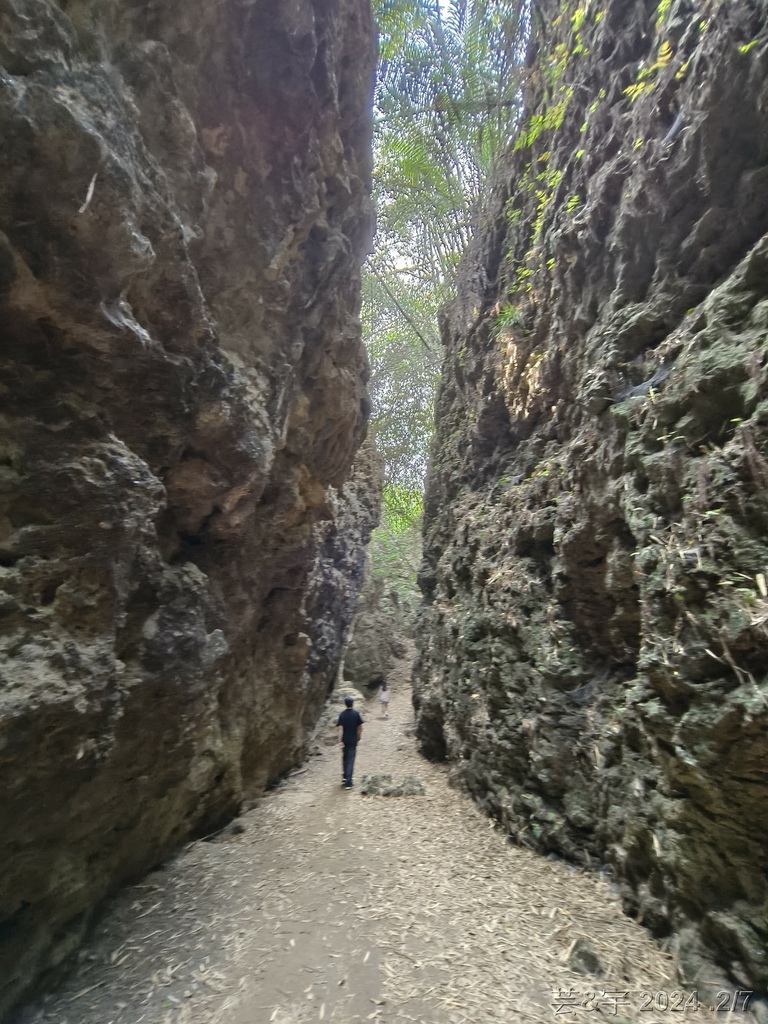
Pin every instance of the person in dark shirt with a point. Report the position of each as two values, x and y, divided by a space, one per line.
350 725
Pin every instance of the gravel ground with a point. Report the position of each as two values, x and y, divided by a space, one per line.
321 904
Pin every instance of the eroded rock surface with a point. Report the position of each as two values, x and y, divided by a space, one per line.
378 635
183 212
593 640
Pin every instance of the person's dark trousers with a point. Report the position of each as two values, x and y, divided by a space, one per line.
348 762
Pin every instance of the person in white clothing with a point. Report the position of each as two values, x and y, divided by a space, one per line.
384 698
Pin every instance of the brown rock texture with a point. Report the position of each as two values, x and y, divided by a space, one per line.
379 633
593 639
183 213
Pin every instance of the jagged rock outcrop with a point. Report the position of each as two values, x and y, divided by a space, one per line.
594 634
332 603
183 213
378 634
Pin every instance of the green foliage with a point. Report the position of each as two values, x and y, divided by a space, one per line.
446 103
549 181
577 19
396 545
396 558
508 316
404 374
402 508
544 185
661 12
552 118
523 273
646 79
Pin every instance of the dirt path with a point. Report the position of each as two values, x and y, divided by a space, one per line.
332 906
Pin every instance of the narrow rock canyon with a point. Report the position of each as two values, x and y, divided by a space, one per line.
186 493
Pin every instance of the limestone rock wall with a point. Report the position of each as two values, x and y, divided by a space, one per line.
183 212
343 556
378 634
594 633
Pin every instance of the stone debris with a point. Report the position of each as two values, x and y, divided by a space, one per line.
384 785
340 693
584 960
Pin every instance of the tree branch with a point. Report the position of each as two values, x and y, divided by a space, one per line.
403 312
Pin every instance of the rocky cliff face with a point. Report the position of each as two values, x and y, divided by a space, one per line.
378 635
593 640
183 212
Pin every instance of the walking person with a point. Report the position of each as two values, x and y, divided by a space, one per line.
350 725
384 698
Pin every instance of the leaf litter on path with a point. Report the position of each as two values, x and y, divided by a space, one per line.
336 907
